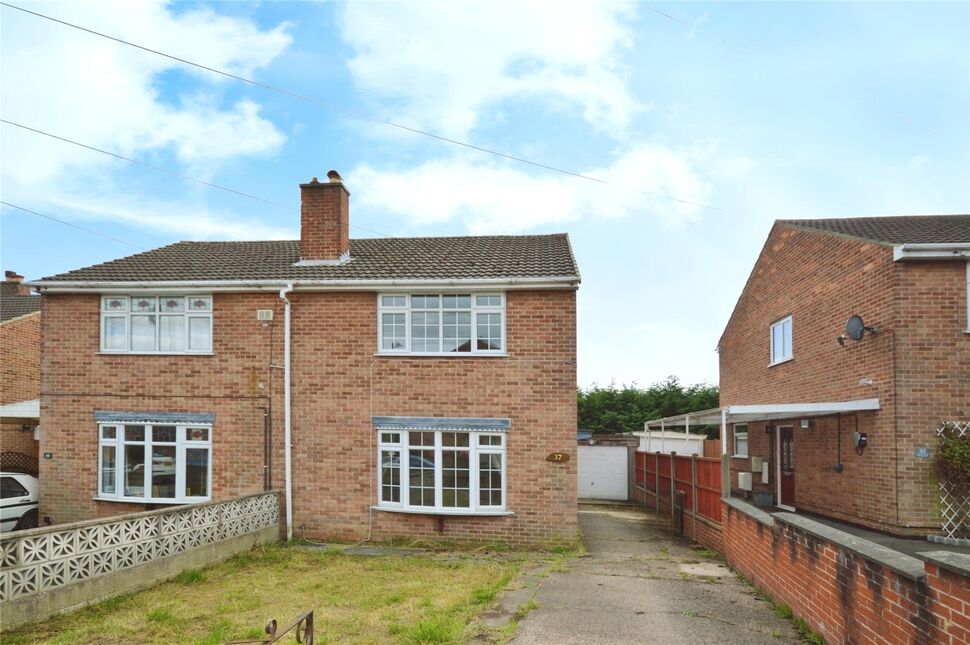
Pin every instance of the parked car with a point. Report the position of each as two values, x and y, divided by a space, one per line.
18 501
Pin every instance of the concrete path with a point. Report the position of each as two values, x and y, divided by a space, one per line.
641 584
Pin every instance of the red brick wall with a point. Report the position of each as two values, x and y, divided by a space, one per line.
844 596
14 439
20 359
932 374
338 384
324 221
821 280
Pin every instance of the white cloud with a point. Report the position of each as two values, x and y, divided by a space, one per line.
441 65
108 95
494 198
183 219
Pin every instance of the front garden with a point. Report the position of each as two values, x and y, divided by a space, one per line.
429 598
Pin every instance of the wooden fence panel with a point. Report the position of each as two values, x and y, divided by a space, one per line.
706 488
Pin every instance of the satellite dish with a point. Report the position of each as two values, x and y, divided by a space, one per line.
855 328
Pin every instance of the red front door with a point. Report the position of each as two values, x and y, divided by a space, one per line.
786 454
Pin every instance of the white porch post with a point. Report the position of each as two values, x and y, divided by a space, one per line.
725 460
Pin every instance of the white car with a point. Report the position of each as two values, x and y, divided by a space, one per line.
18 501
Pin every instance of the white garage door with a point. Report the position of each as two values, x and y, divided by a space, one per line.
602 472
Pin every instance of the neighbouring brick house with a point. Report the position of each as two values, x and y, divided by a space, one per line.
19 366
429 380
797 389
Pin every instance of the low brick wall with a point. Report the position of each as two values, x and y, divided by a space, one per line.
846 588
55 569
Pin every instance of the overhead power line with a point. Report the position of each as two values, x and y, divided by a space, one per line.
338 108
167 171
80 228
697 29
147 165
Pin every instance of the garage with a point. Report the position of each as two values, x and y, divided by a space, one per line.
603 472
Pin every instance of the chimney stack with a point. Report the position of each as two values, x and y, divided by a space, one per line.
324 221
13 285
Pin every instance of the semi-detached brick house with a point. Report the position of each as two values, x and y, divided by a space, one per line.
429 379
794 394
19 371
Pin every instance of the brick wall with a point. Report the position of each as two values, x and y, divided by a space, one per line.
14 439
20 359
841 593
338 384
932 374
918 366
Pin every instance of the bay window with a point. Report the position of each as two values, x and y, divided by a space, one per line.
156 324
441 324
429 470
155 462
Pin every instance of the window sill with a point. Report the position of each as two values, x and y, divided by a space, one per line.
457 512
130 500
104 353
439 355
739 456
782 361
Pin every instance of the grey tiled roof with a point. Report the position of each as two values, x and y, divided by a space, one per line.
418 258
16 306
901 229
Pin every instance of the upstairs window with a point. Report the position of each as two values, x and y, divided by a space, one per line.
445 324
781 350
156 324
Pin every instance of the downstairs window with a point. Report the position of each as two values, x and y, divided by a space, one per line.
163 463
443 471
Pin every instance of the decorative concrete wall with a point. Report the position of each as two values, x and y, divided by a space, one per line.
49 570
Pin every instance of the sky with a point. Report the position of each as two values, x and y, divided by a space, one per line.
703 122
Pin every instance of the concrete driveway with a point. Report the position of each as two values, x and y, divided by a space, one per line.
641 584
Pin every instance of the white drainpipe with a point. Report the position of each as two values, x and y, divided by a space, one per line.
286 413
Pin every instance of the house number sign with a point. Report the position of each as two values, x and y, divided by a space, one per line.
557 457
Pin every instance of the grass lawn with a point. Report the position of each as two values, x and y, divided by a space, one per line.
359 599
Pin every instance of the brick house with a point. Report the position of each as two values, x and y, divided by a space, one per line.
19 369
422 381
796 389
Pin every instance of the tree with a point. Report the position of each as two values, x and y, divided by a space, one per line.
624 409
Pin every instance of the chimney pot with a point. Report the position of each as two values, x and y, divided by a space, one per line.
334 176
13 285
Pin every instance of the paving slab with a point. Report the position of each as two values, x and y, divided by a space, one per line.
641 584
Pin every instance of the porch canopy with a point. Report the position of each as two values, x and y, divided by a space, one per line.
759 412
20 412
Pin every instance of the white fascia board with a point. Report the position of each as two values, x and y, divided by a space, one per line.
765 412
183 286
22 409
955 251
783 410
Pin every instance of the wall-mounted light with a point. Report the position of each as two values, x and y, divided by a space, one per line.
805 424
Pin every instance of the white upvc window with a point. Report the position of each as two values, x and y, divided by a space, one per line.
740 440
173 324
443 324
441 471
155 463
781 341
